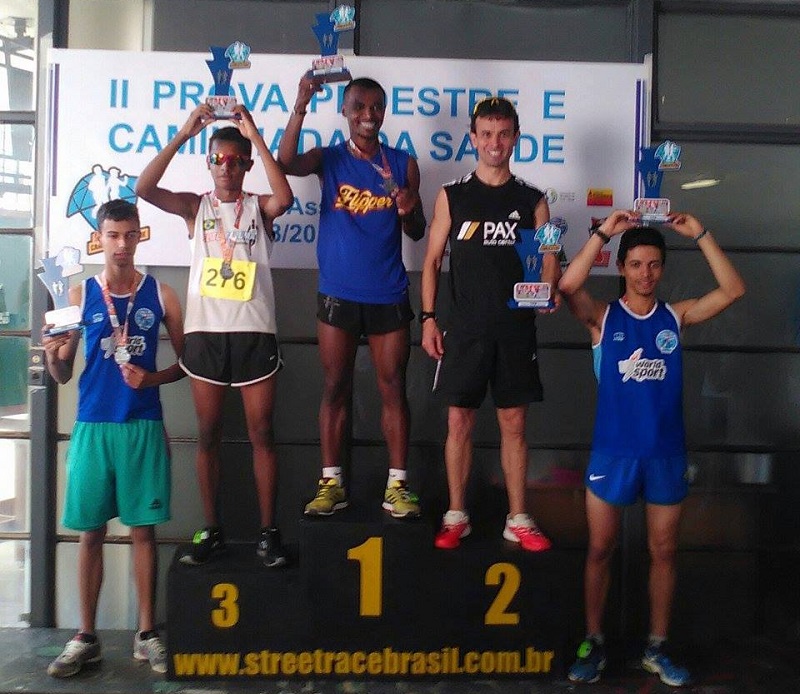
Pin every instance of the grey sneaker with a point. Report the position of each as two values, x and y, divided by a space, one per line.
75 655
152 650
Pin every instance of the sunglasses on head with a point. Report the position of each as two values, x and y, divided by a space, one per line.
218 159
492 102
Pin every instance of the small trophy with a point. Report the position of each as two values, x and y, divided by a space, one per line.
652 164
329 67
55 276
532 292
225 61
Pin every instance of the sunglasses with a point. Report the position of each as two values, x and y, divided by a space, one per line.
218 159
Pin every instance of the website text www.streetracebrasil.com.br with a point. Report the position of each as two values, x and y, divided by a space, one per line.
387 661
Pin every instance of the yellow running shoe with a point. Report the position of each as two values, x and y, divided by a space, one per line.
400 502
330 497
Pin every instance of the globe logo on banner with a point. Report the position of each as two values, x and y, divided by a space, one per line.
98 187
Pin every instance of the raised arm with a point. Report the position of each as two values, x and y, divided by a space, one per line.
289 160
409 204
274 204
59 350
432 339
730 284
586 308
184 205
136 376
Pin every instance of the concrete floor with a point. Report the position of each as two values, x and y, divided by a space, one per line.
755 666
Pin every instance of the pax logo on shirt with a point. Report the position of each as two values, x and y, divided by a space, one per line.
502 233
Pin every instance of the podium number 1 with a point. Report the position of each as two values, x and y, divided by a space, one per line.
370 556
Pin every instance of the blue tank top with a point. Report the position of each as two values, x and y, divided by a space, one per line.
103 396
639 370
359 248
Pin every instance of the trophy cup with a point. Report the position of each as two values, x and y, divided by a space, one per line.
329 67
652 164
55 276
532 292
225 61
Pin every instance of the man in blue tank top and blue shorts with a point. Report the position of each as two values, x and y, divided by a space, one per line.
118 459
638 447
370 197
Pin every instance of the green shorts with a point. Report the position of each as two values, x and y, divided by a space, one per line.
117 469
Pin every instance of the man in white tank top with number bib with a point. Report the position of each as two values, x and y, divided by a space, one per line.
230 310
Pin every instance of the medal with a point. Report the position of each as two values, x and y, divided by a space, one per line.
119 332
122 355
227 240
385 171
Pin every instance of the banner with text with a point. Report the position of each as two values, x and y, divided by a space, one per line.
111 112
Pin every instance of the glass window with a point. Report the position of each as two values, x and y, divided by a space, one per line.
15 290
17 57
502 31
751 192
15 598
725 69
14 384
14 476
16 176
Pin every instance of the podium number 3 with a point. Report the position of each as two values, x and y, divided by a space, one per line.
227 614
369 555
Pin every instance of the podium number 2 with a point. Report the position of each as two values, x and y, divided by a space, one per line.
370 556
507 576
227 614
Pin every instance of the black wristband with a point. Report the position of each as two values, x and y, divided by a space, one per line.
605 238
425 315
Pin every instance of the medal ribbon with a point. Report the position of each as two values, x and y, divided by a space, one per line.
385 171
226 244
120 332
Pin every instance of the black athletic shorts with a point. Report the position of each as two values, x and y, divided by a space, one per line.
509 364
363 319
236 359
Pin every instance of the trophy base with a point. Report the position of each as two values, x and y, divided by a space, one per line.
330 75
222 106
532 295
63 320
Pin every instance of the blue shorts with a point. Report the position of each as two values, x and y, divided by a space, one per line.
117 469
621 481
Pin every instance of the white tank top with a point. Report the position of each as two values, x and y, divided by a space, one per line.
205 314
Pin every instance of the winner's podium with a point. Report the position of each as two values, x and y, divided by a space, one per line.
370 597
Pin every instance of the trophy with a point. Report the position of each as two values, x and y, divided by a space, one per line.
225 61
329 67
55 276
532 292
652 164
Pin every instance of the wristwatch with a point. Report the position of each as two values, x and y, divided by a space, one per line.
425 315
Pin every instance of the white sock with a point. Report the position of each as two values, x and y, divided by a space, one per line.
333 473
396 474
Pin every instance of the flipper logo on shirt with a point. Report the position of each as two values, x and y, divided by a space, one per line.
638 369
358 201
502 233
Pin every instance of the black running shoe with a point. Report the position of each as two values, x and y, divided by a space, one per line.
206 543
270 548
